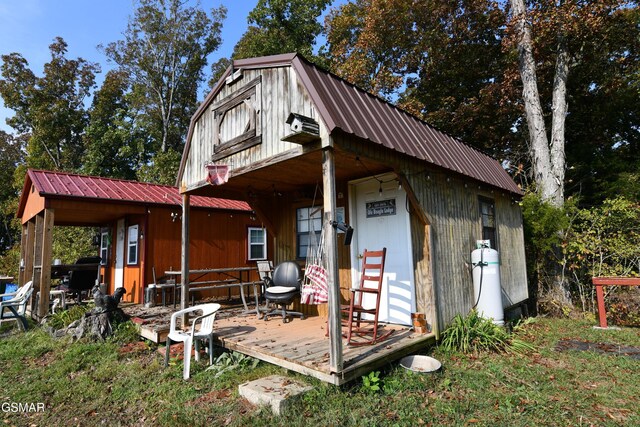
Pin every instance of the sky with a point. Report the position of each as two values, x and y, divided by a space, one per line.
29 27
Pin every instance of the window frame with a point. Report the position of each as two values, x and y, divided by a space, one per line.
299 233
135 244
105 246
488 232
251 244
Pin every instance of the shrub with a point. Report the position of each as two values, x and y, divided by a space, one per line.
474 334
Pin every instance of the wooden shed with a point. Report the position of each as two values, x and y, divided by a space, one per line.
287 137
138 228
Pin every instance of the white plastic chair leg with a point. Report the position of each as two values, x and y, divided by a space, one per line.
187 359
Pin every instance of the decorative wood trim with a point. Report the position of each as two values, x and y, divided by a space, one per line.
231 100
251 133
237 147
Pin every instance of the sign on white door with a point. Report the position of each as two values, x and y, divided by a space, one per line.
381 220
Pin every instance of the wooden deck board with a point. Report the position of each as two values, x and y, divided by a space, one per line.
301 345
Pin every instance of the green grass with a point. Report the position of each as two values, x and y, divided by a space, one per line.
98 383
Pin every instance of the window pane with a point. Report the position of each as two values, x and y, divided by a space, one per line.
257 252
132 255
303 213
257 235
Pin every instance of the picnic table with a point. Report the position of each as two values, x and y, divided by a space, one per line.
599 282
231 277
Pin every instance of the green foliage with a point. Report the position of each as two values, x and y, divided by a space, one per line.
115 146
232 361
163 170
475 334
371 383
49 108
543 223
163 53
605 240
281 26
602 241
64 318
71 243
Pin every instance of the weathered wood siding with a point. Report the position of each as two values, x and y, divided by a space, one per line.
278 93
451 204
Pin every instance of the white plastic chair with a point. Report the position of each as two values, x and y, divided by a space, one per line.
17 305
192 336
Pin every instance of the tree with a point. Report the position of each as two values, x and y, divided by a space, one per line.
441 60
164 52
114 146
281 26
11 155
557 32
49 108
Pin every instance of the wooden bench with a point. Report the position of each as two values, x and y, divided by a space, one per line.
599 282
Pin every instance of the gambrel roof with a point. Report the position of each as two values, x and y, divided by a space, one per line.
349 109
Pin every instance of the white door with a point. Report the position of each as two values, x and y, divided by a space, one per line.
381 220
119 274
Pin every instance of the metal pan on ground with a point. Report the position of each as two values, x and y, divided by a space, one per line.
420 364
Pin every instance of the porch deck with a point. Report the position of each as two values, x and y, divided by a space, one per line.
301 346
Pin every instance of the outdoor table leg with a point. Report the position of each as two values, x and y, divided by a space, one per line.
602 315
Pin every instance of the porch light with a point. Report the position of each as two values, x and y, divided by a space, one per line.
346 228
217 174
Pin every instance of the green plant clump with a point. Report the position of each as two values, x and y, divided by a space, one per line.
371 383
474 334
62 319
230 361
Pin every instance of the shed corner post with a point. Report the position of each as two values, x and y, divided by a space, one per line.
45 262
333 279
184 271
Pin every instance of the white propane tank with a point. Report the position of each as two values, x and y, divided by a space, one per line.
486 282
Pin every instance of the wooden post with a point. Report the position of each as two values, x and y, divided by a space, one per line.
45 258
29 251
37 260
333 275
184 272
23 251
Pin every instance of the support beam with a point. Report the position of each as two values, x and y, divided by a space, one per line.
45 257
23 250
331 259
26 263
37 260
184 272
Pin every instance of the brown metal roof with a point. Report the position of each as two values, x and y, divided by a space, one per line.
345 107
68 185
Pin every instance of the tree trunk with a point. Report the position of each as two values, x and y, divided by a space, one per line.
559 114
548 160
538 142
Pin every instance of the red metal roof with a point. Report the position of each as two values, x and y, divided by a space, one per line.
68 185
345 107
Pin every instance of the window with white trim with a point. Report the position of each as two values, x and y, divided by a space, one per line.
307 220
257 243
132 244
105 243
